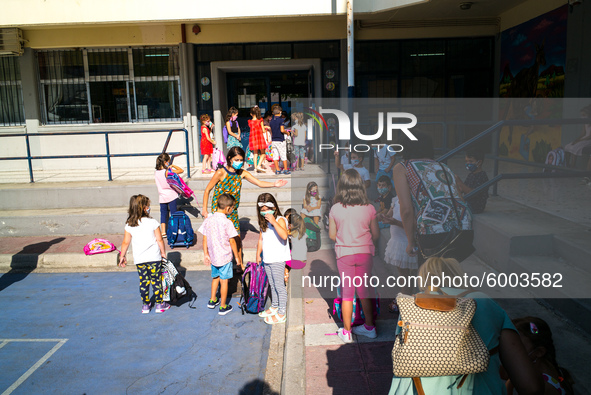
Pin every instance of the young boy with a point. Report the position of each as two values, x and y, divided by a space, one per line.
218 246
356 163
385 196
477 177
384 162
278 132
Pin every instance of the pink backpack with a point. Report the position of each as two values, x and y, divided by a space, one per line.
98 246
217 158
178 184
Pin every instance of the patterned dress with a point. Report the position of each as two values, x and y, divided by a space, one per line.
231 184
233 141
432 203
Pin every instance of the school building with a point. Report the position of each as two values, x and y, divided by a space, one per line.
131 65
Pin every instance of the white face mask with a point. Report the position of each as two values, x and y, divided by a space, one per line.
148 211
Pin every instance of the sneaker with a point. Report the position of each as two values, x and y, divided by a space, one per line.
161 307
345 337
361 330
211 304
286 172
277 172
146 308
225 310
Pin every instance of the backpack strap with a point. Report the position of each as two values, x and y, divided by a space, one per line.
418 385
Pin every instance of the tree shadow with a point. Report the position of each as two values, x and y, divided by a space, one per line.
25 261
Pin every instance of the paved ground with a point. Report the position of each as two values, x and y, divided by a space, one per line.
83 333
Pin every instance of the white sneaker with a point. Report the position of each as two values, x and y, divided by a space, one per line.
345 337
361 330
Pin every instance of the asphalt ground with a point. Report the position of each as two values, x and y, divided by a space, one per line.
83 333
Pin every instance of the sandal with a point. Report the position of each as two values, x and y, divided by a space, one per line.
393 307
269 320
264 313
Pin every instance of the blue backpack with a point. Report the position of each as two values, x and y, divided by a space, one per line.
179 231
254 288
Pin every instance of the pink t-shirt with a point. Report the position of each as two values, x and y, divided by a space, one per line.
165 193
219 230
353 229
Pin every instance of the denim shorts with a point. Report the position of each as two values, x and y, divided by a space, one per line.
223 272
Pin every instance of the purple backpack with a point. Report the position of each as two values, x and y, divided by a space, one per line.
254 288
358 317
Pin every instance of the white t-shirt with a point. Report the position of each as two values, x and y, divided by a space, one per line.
384 157
363 172
301 137
275 249
143 241
299 249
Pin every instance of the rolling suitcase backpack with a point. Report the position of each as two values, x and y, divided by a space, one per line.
179 231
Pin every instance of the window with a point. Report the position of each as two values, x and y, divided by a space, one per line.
12 111
110 85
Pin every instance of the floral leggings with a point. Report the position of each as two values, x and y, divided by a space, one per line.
150 274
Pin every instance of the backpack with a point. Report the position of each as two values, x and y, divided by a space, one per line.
555 158
313 241
437 326
225 131
358 317
174 285
178 184
289 149
217 158
98 246
254 288
179 231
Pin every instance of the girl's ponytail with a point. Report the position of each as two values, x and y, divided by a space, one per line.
161 161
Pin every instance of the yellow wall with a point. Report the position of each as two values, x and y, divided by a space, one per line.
528 10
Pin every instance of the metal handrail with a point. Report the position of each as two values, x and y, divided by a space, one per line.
107 155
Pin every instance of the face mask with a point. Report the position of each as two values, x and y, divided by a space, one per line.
237 165
314 193
354 162
234 117
383 191
148 211
263 213
471 167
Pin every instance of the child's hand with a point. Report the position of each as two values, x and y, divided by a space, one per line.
241 264
122 261
270 219
259 259
206 259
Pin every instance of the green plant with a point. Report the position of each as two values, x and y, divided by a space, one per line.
540 151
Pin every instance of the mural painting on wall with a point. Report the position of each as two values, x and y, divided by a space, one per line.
533 58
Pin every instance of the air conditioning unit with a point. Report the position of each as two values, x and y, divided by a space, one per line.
11 41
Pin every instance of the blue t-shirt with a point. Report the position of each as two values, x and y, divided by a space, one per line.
276 124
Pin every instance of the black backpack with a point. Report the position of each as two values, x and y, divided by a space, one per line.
313 232
180 290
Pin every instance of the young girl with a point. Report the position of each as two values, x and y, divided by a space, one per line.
297 242
257 142
207 143
233 128
275 248
312 202
298 131
354 228
395 253
148 251
167 197
536 337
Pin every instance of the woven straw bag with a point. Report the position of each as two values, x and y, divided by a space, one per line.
437 338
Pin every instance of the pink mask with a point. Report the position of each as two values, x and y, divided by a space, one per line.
234 117
313 193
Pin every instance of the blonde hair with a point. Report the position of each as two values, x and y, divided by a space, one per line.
435 267
298 117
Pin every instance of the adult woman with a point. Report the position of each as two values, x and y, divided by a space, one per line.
430 202
228 180
496 331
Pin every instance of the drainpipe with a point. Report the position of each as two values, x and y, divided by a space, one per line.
350 51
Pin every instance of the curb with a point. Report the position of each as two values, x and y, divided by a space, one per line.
294 360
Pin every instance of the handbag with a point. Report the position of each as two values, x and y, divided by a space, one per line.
456 243
437 338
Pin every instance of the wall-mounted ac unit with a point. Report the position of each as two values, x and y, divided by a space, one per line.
11 41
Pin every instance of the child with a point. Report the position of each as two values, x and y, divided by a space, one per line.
395 253
218 246
297 242
233 129
278 132
167 197
536 336
275 249
476 178
385 196
354 228
357 164
384 162
257 142
143 232
207 143
312 202
298 132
